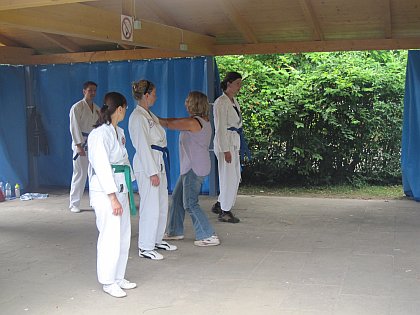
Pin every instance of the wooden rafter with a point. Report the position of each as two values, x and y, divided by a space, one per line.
238 21
63 42
21 4
311 19
82 21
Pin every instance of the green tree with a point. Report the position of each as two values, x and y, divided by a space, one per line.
321 118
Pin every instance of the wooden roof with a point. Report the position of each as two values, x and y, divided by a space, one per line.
65 31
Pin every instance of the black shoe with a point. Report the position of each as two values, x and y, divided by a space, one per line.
216 208
227 216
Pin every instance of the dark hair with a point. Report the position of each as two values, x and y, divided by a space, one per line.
141 88
229 77
87 83
112 101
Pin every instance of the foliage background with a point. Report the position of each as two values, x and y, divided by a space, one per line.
322 118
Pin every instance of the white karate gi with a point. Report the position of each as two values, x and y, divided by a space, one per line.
114 231
82 119
225 116
145 131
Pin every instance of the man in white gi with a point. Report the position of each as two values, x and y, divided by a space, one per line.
83 115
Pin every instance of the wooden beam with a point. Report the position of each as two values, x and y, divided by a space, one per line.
9 42
318 46
98 56
82 21
63 42
21 4
13 55
238 21
311 19
387 14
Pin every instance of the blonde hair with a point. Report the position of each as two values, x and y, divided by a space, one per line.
140 88
197 104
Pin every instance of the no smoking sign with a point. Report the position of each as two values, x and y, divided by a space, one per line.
127 28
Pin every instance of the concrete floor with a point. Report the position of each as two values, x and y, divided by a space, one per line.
288 256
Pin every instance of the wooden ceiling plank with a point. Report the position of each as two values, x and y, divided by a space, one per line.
21 4
63 42
311 19
238 22
159 12
318 46
387 14
78 20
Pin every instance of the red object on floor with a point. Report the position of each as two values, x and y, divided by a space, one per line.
2 196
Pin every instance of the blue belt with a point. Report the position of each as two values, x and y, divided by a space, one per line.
244 145
84 146
165 153
127 174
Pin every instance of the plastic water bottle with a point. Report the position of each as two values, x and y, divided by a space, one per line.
8 189
17 191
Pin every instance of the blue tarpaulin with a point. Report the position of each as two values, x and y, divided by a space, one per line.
410 154
56 88
13 145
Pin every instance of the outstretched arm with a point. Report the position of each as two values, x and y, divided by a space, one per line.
185 124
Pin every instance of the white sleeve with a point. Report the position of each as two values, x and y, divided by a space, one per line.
220 112
76 133
99 146
139 129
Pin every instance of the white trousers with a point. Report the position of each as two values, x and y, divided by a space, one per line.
153 210
78 180
114 237
229 179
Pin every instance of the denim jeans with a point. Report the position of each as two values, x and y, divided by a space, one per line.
185 198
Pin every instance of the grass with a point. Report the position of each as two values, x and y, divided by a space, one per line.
341 191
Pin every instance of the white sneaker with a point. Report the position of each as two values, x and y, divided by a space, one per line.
126 285
165 246
210 241
114 290
150 254
173 237
75 209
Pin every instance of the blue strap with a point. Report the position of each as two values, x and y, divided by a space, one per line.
84 146
166 159
244 150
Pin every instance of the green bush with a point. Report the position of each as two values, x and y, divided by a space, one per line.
322 118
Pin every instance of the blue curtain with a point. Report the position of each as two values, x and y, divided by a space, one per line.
13 144
58 87
410 154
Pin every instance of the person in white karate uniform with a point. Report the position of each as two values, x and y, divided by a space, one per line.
227 145
151 168
83 115
108 191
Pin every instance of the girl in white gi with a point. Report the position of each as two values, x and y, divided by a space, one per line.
151 166
227 143
108 192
